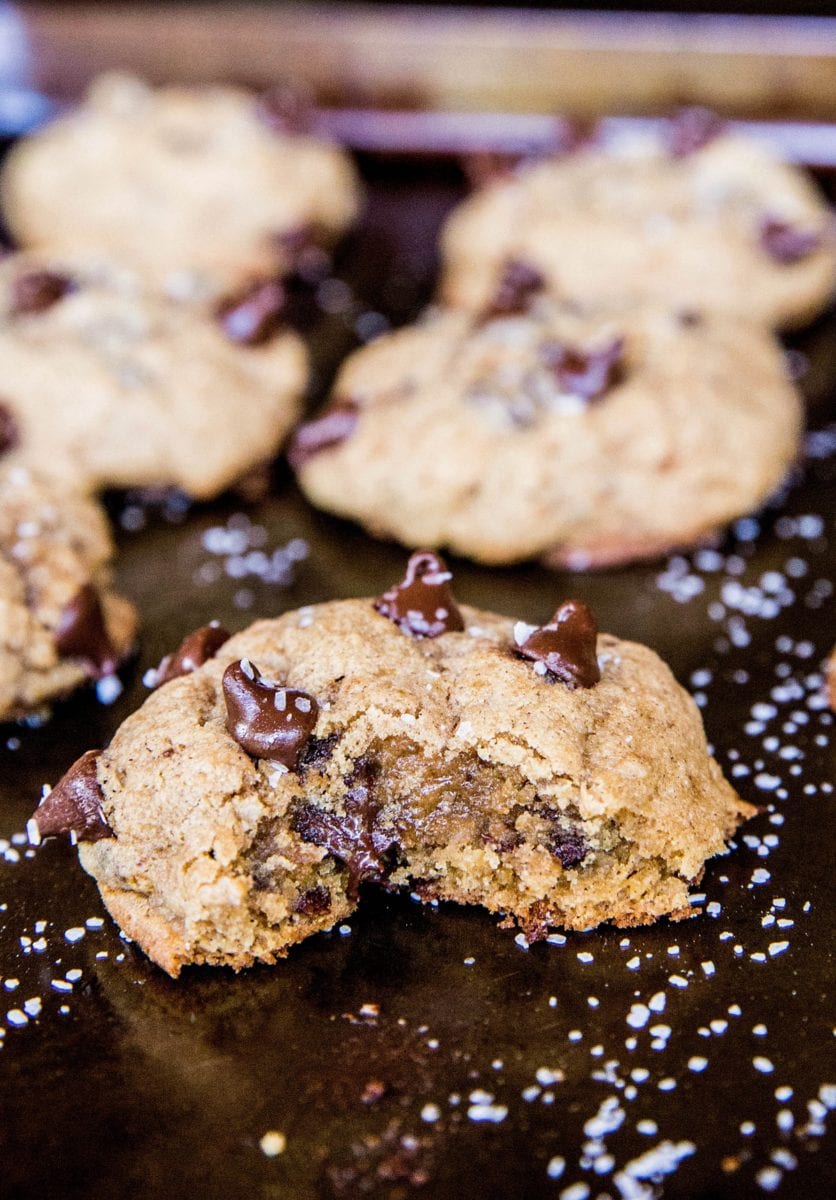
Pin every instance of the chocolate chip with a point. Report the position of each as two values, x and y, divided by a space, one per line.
354 837
82 633
9 432
568 845
422 605
318 752
315 902
566 646
786 243
73 806
691 129
588 374
252 316
266 720
36 291
335 425
518 284
195 649
286 109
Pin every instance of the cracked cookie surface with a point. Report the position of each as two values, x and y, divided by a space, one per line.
198 187
60 624
107 385
726 228
456 764
585 437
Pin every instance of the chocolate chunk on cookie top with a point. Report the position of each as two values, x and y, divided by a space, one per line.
556 776
73 806
422 605
194 650
266 720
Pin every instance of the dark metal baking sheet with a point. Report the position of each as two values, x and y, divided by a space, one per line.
424 1051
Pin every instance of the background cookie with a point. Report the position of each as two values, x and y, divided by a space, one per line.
59 622
720 225
585 437
196 188
106 385
406 742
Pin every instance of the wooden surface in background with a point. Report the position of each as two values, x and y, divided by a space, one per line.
512 60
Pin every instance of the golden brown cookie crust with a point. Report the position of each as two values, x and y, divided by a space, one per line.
182 184
464 439
477 761
112 386
640 225
53 543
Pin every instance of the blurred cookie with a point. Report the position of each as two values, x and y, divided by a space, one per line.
550 774
197 188
539 430
106 385
697 218
60 624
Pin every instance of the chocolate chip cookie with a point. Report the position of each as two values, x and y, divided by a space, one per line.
196 188
551 774
108 385
695 217
583 436
60 624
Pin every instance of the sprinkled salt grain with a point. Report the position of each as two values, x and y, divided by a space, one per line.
578 1191
760 875
777 948
493 1113
713 908
762 1064
610 1116
555 1167
708 968
638 1016
108 689
556 939
633 963
33 1006
430 1113
575 1035
522 941
547 1076
661 1031
75 934
678 981
273 1143
585 957
647 1127
17 1016
469 961
657 1002
344 930
718 1025
759 1030
530 1093
769 1178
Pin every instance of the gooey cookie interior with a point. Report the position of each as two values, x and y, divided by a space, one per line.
553 776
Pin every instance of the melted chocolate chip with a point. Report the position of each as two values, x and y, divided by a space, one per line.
195 649
74 805
518 284
82 633
37 291
786 243
422 605
285 109
335 425
318 752
9 432
692 129
588 374
253 315
566 646
568 845
353 837
315 902
266 720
